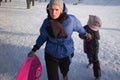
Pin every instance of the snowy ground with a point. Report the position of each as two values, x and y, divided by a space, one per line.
19 28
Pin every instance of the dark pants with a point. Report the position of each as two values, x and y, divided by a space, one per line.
93 58
0 2
29 2
52 65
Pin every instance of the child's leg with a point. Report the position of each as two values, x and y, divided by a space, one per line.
96 66
89 56
90 60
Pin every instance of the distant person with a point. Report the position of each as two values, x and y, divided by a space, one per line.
56 31
29 3
91 47
0 2
6 0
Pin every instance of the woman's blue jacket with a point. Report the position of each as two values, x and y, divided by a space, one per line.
62 47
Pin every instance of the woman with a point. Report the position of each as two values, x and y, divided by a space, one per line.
56 31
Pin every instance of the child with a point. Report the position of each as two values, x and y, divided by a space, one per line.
91 47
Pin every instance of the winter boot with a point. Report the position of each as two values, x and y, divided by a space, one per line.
90 65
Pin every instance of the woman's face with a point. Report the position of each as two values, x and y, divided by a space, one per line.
55 11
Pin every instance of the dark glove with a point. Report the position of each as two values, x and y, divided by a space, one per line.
35 48
31 53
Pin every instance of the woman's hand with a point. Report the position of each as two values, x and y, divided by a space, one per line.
31 54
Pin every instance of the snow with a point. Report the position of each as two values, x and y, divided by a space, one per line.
19 28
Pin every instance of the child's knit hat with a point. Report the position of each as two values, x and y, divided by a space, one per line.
92 19
56 2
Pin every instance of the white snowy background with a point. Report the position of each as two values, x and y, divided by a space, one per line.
19 28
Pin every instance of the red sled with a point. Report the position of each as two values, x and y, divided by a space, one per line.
31 69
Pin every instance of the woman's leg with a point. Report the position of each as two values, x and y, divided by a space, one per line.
52 67
64 66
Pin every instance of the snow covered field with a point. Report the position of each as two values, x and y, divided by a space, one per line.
19 28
